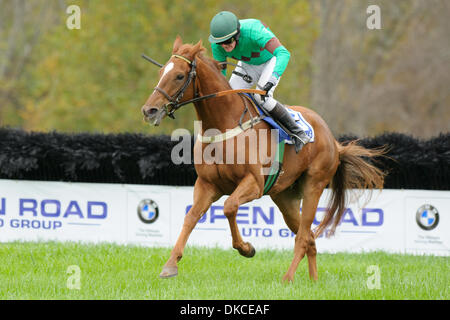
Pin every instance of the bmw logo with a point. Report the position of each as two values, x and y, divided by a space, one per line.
148 211
427 217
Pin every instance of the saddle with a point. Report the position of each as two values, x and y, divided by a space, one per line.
282 134
283 138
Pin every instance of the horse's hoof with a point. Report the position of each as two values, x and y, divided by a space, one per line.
288 278
168 272
250 253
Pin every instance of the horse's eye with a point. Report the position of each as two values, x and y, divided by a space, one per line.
180 77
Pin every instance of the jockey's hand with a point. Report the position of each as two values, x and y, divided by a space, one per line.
267 88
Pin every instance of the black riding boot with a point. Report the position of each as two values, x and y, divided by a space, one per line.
281 115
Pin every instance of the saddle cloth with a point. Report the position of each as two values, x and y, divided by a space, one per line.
282 135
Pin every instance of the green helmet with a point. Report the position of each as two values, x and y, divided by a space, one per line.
223 26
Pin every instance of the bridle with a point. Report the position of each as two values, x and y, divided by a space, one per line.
174 101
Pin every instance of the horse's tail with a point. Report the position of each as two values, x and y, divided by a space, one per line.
353 172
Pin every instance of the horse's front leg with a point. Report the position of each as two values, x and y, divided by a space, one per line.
247 190
204 195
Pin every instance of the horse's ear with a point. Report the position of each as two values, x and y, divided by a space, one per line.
197 48
177 44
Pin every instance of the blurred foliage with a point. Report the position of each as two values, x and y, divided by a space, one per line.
94 79
360 81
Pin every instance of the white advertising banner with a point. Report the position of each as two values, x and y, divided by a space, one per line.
427 222
378 224
148 215
400 221
33 210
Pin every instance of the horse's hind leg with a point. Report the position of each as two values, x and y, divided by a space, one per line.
311 252
204 195
304 240
246 191
288 201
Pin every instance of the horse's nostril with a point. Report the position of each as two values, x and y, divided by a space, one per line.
150 112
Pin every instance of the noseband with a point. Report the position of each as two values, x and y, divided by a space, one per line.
174 101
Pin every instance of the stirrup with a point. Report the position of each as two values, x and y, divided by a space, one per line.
300 140
303 137
298 143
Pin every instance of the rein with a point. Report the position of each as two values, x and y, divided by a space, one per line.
174 101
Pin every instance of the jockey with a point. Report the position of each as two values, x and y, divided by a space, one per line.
262 61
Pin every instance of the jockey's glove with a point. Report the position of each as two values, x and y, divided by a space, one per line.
268 86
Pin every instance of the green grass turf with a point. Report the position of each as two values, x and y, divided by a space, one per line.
107 271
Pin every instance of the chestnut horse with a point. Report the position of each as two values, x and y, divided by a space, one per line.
190 76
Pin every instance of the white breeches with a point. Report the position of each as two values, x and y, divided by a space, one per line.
260 75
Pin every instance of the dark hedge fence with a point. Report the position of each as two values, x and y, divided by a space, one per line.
140 159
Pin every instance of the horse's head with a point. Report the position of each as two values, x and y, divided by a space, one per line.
176 82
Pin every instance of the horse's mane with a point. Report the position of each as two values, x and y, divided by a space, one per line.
210 61
198 51
187 49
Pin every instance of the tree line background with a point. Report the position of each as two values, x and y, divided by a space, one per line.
361 81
